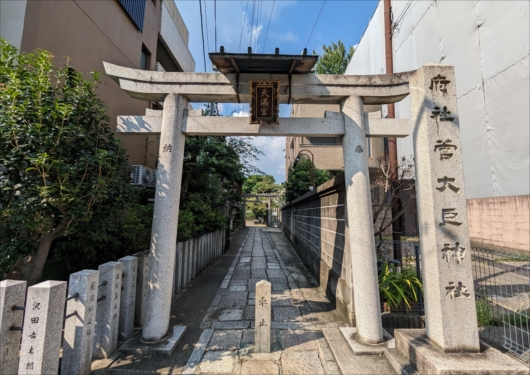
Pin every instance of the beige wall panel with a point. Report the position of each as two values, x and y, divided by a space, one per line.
500 222
90 32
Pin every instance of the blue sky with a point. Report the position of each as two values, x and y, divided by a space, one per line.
289 25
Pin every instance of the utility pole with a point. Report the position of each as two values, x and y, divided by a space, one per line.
392 143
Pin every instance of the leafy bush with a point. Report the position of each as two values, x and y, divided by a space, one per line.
398 288
60 158
299 179
485 313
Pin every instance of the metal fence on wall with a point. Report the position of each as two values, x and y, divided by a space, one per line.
502 289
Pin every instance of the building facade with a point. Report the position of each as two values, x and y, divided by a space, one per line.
327 151
148 35
488 43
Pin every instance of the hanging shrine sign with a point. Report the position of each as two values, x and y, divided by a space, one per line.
264 102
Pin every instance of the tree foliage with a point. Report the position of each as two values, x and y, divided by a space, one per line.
260 184
59 156
214 167
299 179
334 60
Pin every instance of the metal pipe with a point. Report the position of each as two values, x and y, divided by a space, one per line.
72 297
392 142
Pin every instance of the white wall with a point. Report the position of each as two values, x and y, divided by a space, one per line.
12 15
488 43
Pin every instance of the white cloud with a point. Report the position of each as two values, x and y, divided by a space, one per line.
240 114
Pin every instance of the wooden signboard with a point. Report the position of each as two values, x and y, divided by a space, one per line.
264 102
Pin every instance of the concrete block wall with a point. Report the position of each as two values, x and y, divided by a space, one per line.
500 223
316 227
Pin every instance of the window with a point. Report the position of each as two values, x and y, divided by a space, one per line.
322 141
144 58
135 9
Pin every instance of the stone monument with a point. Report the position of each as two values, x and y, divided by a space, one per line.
263 317
43 325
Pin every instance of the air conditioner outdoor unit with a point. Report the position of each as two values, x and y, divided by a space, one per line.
144 176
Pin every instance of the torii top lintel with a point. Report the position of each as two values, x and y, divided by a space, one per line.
224 88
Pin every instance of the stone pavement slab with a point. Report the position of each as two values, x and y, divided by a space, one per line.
300 313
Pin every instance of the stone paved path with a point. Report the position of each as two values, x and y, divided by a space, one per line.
299 313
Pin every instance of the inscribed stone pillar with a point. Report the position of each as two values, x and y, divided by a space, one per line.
12 293
450 315
263 317
80 322
128 294
141 287
43 325
108 310
359 223
165 219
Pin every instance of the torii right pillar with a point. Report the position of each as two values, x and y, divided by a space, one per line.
450 313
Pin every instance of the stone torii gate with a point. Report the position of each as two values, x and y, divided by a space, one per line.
258 196
434 124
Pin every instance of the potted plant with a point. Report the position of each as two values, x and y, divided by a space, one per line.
401 288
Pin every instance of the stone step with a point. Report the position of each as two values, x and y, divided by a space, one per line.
351 364
399 362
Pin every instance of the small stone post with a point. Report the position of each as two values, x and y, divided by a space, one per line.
80 322
108 310
269 212
165 219
244 224
128 294
360 227
194 252
12 294
178 271
185 268
43 325
141 288
450 312
263 317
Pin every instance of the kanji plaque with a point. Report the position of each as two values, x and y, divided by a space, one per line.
264 102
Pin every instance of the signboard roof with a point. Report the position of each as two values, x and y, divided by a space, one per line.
262 63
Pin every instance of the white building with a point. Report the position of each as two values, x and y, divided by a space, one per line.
488 43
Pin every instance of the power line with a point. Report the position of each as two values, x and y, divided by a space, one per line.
206 22
215 21
242 26
315 24
252 22
267 144
258 24
202 32
267 34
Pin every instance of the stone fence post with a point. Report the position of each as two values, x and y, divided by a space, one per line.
80 322
43 324
12 298
108 309
141 287
128 294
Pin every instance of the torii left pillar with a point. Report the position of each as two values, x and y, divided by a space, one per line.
165 220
